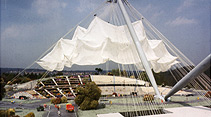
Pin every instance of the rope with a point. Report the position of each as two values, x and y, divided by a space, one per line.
56 42
83 20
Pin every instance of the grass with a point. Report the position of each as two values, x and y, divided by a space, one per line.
20 101
23 112
127 105
120 105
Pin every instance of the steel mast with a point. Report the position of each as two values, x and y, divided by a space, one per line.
201 67
141 53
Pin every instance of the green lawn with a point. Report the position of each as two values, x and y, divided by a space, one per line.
121 105
20 101
126 105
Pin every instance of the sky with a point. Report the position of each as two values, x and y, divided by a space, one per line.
30 27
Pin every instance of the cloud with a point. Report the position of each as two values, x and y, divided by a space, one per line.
148 8
181 21
157 14
10 32
17 31
87 5
45 17
152 12
185 4
44 7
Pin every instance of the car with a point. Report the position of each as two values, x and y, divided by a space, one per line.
189 95
19 108
40 108
69 107
101 105
12 101
23 97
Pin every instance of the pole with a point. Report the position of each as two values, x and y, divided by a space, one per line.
141 53
114 83
201 67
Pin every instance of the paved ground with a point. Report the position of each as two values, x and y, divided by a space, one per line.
197 111
34 105
121 104
53 112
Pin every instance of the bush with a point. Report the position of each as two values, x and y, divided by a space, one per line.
148 97
52 100
31 114
85 105
81 91
88 97
3 113
94 104
88 103
93 91
7 113
208 94
56 100
64 99
79 99
11 112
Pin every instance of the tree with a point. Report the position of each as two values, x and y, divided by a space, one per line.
124 73
99 70
88 97
56 100
115 72
2 90
64 99
31 114
59 73
118 72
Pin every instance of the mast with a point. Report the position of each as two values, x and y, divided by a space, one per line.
141 53
201 67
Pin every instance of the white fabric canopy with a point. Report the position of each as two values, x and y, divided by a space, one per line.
101 42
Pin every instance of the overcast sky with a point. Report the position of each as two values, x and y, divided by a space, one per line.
30 27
